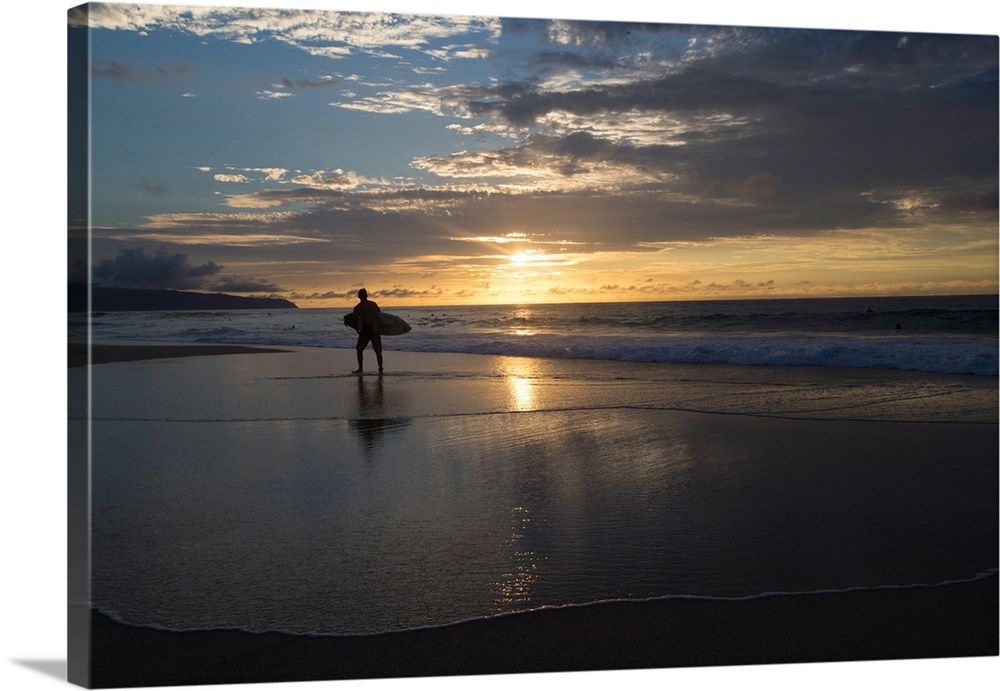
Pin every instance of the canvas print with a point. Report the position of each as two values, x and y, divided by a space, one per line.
404 345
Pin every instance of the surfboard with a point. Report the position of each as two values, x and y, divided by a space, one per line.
390 323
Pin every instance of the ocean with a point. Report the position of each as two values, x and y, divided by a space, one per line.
948 334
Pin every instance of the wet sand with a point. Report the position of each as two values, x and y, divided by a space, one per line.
958 620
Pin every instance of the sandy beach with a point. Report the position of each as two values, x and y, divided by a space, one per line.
81 354
948 621
286 405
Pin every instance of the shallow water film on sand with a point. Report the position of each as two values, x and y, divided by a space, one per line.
277 492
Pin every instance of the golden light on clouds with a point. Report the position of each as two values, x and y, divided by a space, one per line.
837 264
516 269
527 257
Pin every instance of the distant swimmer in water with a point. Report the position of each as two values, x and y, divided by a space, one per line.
899 327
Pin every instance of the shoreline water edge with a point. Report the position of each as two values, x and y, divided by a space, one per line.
954 620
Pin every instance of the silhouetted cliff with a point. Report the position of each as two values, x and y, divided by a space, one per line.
130 299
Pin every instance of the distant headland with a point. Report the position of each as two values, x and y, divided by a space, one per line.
135 299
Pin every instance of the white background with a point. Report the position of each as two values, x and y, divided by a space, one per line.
34 353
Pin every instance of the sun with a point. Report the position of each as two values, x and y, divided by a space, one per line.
524 258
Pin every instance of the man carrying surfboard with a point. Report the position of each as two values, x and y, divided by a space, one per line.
369 330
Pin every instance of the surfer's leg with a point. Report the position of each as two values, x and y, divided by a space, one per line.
377 346
363 339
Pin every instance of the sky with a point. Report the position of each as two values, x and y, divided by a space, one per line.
453 159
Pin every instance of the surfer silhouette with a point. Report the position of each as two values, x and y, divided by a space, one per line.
368 328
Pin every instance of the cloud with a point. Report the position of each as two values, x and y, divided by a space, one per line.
397 292
238 284
245 175
337 179
196 231
151 187
467 51
270 173
286 87
135 268
326 295
578 161
234 222
787 117
619 36
810 128
269 95
332 198
427 98
121 72
322 33
334 179
324 83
